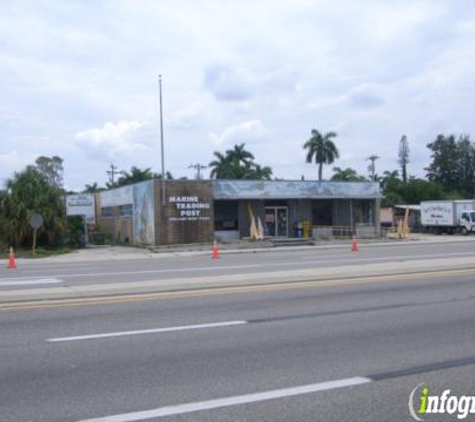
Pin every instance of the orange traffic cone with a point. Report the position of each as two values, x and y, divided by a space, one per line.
354 244
11 260
215 254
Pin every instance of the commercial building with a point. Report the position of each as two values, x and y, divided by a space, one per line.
200 211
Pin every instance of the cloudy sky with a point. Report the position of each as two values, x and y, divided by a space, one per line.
79 79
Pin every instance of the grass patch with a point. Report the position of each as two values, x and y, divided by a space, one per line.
40 252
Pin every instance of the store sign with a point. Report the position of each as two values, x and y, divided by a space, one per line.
116 197
189 208
82 204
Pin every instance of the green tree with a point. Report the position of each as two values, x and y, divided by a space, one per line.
453 164
262 173
465 167
321 148
390 180
239 155
29 192
391 187
168 176
134 176
52 169
346 175
416 190
403 157
238 163
445 158
92 188
221 166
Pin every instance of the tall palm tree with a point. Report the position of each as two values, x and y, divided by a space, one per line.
237 163
240 155
321 148
221 167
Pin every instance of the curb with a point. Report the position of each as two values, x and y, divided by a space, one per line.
174 254
167 287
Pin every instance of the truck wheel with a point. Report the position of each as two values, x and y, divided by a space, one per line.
464 231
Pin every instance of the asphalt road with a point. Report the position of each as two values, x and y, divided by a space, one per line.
358 351
44 275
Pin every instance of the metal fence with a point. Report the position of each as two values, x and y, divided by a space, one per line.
361 231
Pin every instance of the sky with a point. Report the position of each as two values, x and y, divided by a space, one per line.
79 79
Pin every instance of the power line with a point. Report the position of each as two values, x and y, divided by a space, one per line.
112 172
372 167
198 167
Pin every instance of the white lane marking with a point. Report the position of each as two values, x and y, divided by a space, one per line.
23 282
150 331
315 261
231 401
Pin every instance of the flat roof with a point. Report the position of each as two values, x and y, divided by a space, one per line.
301 189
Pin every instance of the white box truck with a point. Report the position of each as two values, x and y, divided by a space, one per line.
448 216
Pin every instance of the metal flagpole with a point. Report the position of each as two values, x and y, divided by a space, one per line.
161 141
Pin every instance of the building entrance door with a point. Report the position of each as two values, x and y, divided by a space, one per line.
276 222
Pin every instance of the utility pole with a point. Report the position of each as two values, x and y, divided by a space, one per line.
372 167
161 141
198 167
112 172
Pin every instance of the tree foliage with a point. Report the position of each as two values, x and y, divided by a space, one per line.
346 175
52 169
135 175
403 157
238 163
444 161
94 188
28 192
321 149
415 190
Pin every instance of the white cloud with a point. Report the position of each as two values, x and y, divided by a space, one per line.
111 140
228 82
369 70
188 117
13 161
366 96
249 131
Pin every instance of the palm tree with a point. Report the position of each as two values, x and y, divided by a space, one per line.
221 167
136 175
390 180
31 192
168 176
346 175
237 163
240 155
92 188
322 149
262 173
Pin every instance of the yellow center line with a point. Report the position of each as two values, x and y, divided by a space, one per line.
112 300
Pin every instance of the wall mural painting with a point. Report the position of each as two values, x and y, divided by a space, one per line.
144 228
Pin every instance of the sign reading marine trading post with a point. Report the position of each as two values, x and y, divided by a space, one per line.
189 208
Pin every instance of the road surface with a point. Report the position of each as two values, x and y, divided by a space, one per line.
333 352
